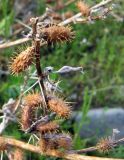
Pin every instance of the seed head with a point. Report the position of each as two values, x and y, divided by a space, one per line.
105 145
48 127
84 8
55 33
33 100
59 142
58 106
26 117
22 61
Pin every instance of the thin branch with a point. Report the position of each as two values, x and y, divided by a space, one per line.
43 96
30 87
23 24
86 150
16 42
117 17
101 4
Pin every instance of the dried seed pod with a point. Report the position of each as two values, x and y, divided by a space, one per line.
22 61
84 8
33 99
105 145
31 102
26 117
58 106
48 127
55 33
49 147
60 142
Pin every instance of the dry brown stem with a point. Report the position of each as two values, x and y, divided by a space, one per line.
16 42
36 149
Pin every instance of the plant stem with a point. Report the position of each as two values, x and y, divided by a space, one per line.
70 155
36 43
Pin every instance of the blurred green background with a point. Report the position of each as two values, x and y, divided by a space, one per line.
98 47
